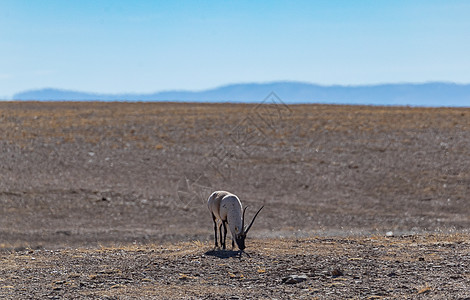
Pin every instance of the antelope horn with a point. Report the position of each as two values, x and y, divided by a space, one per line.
246 231
243 218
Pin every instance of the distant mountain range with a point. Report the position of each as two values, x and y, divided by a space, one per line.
422 94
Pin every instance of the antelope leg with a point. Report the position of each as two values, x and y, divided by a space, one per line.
225 233
215 230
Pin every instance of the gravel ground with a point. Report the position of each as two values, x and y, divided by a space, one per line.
411 267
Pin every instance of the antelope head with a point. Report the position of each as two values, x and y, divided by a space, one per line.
240 239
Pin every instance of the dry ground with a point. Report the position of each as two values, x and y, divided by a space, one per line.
99 177
412 267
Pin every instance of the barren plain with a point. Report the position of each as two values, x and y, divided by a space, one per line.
108 200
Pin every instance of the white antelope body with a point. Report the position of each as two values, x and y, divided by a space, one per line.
226 208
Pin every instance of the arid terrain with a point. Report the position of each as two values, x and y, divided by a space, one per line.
108 200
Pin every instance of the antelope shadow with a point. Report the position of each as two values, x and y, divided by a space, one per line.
223 253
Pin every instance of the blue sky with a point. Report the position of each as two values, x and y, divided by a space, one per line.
148 46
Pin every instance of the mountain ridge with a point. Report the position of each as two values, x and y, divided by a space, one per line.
289 92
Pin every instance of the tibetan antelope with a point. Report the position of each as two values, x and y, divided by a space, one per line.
227 208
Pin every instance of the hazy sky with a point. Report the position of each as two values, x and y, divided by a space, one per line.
141 46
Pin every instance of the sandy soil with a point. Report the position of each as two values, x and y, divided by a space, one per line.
85 185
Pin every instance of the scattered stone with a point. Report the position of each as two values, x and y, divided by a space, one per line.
336 273
294 279
64 232
183 277
392 274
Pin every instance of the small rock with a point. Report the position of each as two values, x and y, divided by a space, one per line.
293 279
336 273
389 234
